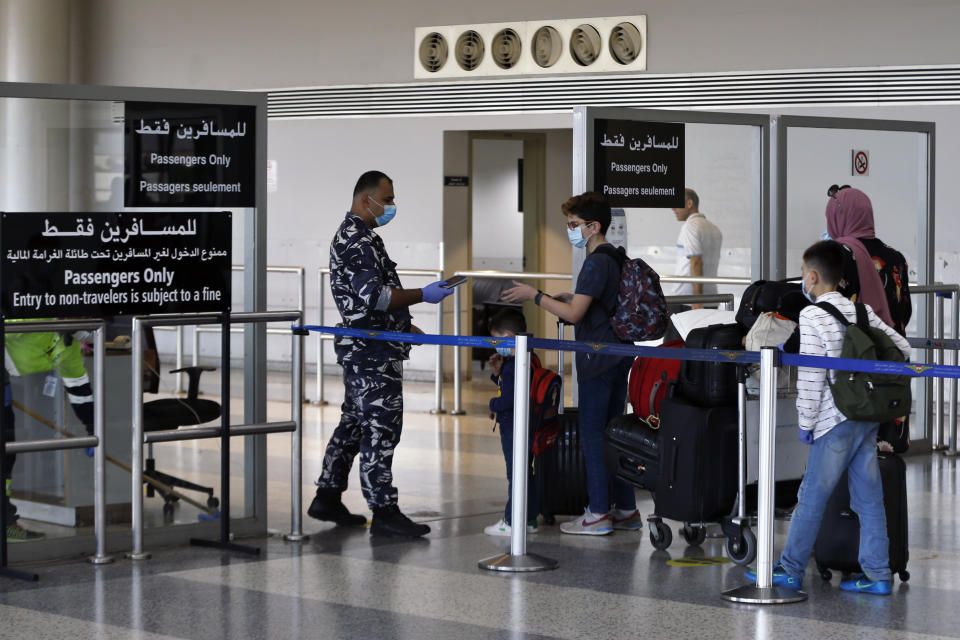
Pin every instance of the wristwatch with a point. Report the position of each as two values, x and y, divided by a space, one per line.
536 299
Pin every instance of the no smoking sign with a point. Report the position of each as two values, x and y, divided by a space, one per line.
860 162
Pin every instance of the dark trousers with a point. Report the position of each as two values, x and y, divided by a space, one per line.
370 424
533 497
8 461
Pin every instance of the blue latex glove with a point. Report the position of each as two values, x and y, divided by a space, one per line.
89 452
805 435
434 293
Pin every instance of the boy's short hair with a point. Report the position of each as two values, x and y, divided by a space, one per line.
508 320
589 207
826 258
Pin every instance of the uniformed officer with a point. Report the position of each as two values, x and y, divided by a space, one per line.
367 291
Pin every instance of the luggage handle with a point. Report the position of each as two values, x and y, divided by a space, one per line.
672 466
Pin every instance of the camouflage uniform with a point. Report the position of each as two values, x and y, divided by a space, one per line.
362 277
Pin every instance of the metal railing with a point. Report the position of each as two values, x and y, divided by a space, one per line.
941 440
96 441
294 426
726 299
301 302
322 274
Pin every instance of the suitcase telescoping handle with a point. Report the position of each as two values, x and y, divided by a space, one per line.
672 465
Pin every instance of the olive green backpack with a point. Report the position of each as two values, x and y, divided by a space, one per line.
868 397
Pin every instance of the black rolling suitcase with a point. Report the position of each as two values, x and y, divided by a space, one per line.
561 473
698 461
838 542
711 384
632 451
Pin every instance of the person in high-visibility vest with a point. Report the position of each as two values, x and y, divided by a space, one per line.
29 353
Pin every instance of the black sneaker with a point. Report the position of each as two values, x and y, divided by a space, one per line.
328 506
389 521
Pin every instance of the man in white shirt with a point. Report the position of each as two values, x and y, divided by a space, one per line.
698 247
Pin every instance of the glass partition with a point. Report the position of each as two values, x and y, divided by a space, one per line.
64 155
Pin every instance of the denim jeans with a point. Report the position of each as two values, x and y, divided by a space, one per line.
533 499
602 399
850 446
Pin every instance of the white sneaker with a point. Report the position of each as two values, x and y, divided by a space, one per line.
589 524
624 520
503 529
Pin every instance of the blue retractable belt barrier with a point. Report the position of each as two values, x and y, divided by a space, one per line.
629 350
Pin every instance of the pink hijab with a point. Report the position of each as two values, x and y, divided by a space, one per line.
849 218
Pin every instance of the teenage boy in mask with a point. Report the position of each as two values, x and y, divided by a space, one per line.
601 379
507 324
367 291
837 444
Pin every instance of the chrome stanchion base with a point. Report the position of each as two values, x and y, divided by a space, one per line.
941 447
143 555
295 537
752 594
455 412
100 559
437 412
318 403
951 453
518 564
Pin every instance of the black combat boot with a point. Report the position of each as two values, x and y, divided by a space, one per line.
328 506
388 521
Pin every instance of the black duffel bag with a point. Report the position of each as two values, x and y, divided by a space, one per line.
780 296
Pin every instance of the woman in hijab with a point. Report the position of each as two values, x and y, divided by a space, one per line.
875 274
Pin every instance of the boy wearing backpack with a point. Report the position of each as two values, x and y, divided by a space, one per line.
838 444
594 310
507 324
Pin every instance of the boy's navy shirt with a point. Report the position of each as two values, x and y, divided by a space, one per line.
600 279
502 403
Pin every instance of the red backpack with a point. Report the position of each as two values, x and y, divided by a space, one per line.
649 378
546 392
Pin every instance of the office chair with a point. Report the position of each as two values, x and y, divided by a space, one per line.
171 413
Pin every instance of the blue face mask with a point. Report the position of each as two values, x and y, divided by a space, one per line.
576 237
506 352
389 211
807 295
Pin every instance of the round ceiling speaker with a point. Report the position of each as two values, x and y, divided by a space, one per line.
547 47
433 52
505 48
625 43
585 45
469 50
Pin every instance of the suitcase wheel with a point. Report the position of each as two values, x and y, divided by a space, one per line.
693 535
660 535
904 576
742 548
549 520
826 574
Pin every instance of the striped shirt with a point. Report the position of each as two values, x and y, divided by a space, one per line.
822 335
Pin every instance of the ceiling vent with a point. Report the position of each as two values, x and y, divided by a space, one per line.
586 45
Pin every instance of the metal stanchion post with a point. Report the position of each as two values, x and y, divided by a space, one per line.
196 346
457 377
296 442
100 453
938 441
136 446
954 360
178 379
742 375
320 400
518 559
764 591
438 381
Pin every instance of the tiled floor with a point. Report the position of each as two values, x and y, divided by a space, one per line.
344 584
